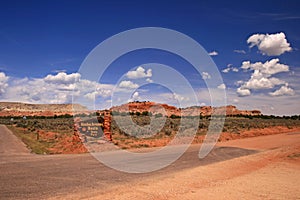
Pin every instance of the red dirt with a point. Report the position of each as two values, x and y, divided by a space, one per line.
72 144
68 145
225 136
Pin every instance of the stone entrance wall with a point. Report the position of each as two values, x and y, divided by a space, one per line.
107 124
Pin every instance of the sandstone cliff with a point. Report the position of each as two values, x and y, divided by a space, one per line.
168 110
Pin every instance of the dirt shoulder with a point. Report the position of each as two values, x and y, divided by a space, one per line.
274 173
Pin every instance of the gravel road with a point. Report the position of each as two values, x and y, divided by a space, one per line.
24 175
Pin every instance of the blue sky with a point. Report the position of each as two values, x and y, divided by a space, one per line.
39 39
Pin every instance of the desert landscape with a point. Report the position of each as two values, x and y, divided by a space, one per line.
261 149
57 133
155 100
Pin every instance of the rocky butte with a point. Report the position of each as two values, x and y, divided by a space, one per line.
165 109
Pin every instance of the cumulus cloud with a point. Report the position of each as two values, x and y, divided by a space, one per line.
59 88
135 97
258 81
226 70
243 92
268 68
3 82
261 77
230 68
62 78
222 86
99 91
234 69
238 83
270 44
284 90
205 75
128 84
140 72
213 53
149 80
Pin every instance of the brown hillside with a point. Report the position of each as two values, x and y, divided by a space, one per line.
25 109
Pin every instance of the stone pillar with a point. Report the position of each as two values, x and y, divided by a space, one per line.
107 125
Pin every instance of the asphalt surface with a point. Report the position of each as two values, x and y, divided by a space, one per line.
28 176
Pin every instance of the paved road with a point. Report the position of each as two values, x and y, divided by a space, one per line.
10 144
28 176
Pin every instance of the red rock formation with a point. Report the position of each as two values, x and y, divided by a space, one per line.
20 109
154 108
107 125
167 110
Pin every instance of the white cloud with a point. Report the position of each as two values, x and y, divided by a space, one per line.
91 96
258 81
135 96
243 92
238 83
269 105
140 72
226 70
98 92
213 53
268 68
239 51
180 97
270 44
261 78
62 78
234 69
128 84
205 75
222 86
149 80
3 82
230 68
284 90
59 88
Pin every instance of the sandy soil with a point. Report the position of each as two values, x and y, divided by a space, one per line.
274 173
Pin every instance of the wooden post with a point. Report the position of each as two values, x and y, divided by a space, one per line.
37 136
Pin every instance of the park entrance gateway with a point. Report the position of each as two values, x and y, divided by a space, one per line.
92 127
96 127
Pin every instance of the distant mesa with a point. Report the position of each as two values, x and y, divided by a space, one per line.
25 109
156 108
48 110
